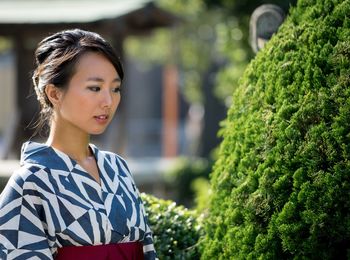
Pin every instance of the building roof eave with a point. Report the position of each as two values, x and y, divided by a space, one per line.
65 11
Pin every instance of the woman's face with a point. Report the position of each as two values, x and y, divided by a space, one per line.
92 95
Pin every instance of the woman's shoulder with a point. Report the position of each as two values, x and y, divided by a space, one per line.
27 171
111 157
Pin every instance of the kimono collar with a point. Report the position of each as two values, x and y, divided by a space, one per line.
47 156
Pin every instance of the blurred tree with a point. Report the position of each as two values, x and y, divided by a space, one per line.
233 39
182 178
5 44
192 45
210 31
240 8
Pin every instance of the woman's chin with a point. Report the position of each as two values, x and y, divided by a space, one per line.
97 131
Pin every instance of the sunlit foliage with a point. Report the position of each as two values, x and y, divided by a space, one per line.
281 185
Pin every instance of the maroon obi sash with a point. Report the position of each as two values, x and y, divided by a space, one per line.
119 251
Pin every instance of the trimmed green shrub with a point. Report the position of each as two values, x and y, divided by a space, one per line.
176 230
281 185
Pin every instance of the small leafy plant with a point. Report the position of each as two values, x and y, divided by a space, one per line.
176 230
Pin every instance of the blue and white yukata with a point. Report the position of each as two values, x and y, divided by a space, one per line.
52 202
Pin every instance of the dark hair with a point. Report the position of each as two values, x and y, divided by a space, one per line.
56 57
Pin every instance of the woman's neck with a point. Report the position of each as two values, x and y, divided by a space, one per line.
72 142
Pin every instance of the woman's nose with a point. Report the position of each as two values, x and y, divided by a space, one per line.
106 99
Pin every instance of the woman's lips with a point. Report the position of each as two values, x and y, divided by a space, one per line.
102 119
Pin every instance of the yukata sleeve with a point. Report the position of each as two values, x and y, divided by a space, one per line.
22 234
148 244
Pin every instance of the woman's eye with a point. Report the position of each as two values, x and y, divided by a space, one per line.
95 89
116 90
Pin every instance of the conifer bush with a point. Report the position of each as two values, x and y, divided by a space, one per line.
281 185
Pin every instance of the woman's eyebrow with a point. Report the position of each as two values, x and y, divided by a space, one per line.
117 79
98 79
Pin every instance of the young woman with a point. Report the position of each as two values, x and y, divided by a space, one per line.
70 200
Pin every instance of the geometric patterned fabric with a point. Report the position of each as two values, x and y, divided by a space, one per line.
52 202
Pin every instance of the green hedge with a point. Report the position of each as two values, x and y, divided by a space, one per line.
281 185
176 230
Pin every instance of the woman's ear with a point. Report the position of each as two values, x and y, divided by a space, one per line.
54 94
